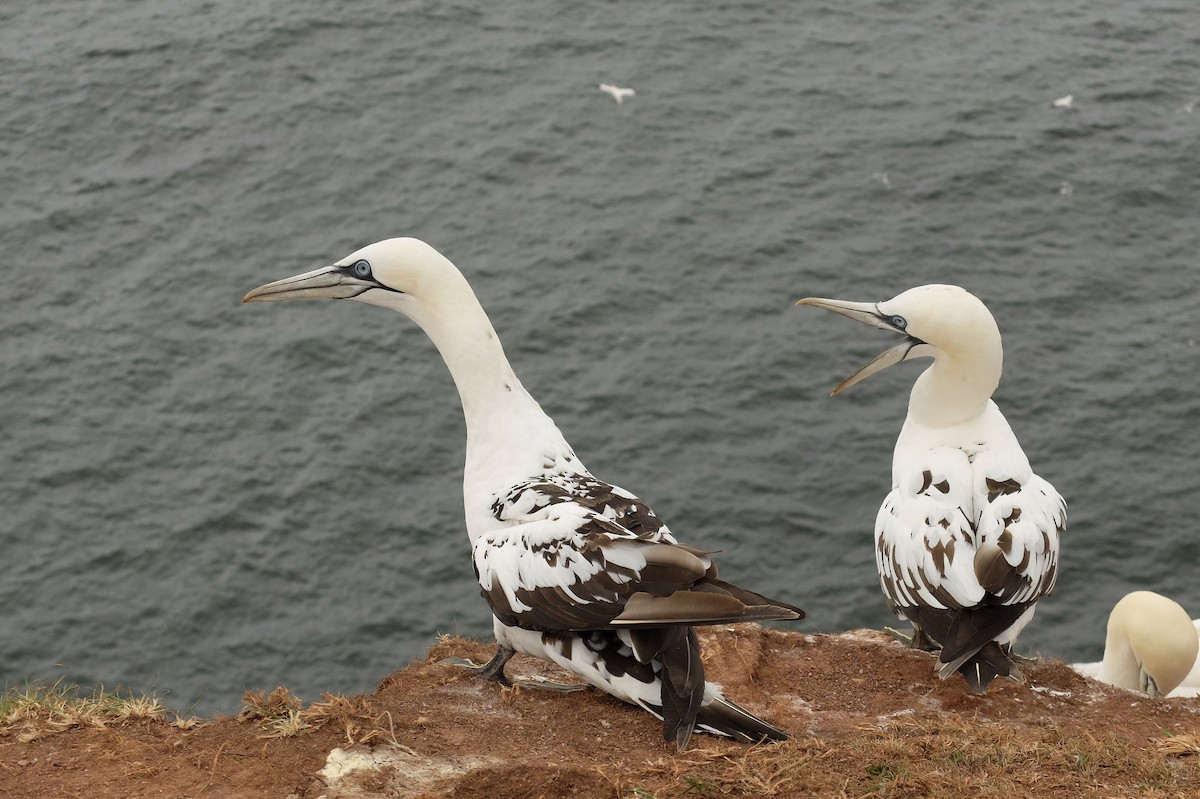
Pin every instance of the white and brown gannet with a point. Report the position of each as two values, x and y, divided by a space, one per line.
576 571
1150 646
967 541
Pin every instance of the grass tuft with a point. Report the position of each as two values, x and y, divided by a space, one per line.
278 713
1178 745
359 721
281 715
35 711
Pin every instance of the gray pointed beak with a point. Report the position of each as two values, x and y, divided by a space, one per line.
865 312
893 354
869 314
328 282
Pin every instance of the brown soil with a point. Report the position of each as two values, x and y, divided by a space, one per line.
868 717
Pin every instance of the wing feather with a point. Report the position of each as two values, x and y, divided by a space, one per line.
1019 532
578 554
925 543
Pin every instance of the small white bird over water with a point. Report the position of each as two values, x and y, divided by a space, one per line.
1064 102
967 540
576 571
619 94
1150 646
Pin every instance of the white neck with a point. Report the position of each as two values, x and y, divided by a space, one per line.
1120 666
956 388
509 437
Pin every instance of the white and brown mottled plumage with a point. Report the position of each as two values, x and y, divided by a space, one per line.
576 571
967 541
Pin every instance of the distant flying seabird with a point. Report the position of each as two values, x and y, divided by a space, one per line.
576 571
1064 102
1150 646
967 540
619 94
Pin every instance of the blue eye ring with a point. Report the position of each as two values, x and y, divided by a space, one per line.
897 321
361 269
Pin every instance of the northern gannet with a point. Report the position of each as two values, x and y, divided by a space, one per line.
576 571
1191 683
1150 646
967 540
618 93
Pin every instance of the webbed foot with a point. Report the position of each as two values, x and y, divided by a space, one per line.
494 670
918 640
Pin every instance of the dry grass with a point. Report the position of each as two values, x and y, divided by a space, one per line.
946 758
278 713
36 711
761 771
357 717
281 715
1179 745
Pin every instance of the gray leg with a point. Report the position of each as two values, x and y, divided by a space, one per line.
918 640
494 670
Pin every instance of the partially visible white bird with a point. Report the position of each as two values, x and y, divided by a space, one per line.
1150 646
967 540
619 94
1191 683
576 571
1063 102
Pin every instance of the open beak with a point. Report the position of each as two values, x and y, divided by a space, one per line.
329 282
869 314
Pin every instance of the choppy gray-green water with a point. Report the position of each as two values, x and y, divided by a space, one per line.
199 497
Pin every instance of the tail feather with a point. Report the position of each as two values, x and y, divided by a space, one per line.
973 629
766 607
682 676
725 717
990 662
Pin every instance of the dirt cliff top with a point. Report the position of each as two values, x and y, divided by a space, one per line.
868 716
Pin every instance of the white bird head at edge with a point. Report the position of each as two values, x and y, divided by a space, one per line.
936 321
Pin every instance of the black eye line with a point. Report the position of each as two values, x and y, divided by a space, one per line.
348 270
889 319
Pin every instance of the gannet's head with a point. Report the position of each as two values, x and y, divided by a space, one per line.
935 321
394 273
1151 644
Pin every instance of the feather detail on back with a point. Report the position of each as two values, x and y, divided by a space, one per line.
566 560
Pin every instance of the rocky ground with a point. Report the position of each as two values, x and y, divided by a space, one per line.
868 716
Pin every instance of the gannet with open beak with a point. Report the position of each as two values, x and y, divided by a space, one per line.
967 541
1150 646
576 571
